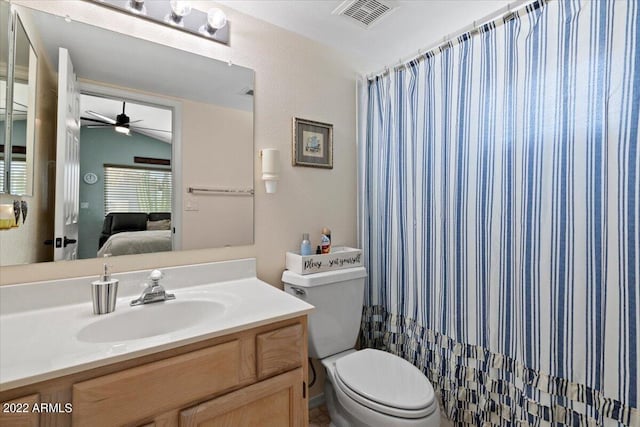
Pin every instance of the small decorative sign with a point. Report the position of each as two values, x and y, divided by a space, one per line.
339 258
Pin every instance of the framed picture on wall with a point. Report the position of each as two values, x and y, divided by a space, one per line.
312 144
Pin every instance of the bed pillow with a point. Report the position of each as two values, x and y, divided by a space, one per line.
163 224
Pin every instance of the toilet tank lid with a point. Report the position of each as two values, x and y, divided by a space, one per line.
317 279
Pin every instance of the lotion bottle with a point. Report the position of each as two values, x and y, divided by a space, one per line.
305 246
325 241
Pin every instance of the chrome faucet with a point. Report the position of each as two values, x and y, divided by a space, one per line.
154 292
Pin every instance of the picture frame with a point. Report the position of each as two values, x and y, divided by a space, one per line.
312 143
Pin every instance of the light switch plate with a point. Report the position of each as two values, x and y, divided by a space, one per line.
191 204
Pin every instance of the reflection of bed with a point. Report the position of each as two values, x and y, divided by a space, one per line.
118 222
137 242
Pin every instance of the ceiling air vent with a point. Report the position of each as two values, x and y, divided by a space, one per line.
365 13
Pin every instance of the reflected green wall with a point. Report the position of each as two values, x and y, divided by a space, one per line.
19 133
97 147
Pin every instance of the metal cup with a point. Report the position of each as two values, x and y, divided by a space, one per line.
103 295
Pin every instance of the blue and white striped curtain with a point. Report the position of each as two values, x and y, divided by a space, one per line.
500 216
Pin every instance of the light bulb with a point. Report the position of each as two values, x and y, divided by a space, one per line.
137 7
216 18
180 8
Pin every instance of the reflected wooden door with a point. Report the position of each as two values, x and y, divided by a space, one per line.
67 161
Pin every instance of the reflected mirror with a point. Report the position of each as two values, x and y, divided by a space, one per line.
4 60
141 124
19 68
23 93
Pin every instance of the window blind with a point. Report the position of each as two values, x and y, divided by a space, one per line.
136 189
18 176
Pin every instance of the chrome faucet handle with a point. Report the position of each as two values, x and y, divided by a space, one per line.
154 292
155 277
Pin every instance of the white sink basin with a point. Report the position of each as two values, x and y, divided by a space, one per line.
150 320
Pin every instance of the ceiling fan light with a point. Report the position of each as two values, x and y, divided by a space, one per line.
123 130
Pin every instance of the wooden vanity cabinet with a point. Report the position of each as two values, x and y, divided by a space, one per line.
252 377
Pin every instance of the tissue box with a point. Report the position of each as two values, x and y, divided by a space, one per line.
339 258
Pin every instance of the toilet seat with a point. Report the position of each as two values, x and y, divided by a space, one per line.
385 383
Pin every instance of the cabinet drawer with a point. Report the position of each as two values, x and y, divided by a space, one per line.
138 393
276 402
280 350
19 412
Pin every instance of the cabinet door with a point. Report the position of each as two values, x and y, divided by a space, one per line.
19 412
275 402
280 350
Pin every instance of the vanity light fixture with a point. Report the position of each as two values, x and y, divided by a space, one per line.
270 169
177 14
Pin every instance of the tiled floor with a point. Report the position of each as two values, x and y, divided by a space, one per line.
444 421
319 417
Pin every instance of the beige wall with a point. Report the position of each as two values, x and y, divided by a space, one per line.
294 77
24 244
227 134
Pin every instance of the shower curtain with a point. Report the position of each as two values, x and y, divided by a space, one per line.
499 216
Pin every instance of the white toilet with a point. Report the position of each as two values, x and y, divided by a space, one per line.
367 387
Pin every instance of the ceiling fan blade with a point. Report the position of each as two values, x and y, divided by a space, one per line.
100 116
150 134
20 104
135 121
97 126
156 130
89 119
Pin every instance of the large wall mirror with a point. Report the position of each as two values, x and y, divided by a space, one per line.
137 148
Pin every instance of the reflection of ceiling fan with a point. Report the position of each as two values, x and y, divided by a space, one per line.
122 123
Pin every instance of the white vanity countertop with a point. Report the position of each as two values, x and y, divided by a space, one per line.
46 342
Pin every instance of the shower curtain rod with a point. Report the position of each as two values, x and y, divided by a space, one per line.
514 7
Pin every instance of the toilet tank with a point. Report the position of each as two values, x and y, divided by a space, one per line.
337 297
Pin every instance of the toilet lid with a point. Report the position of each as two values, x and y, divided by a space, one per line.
386 380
